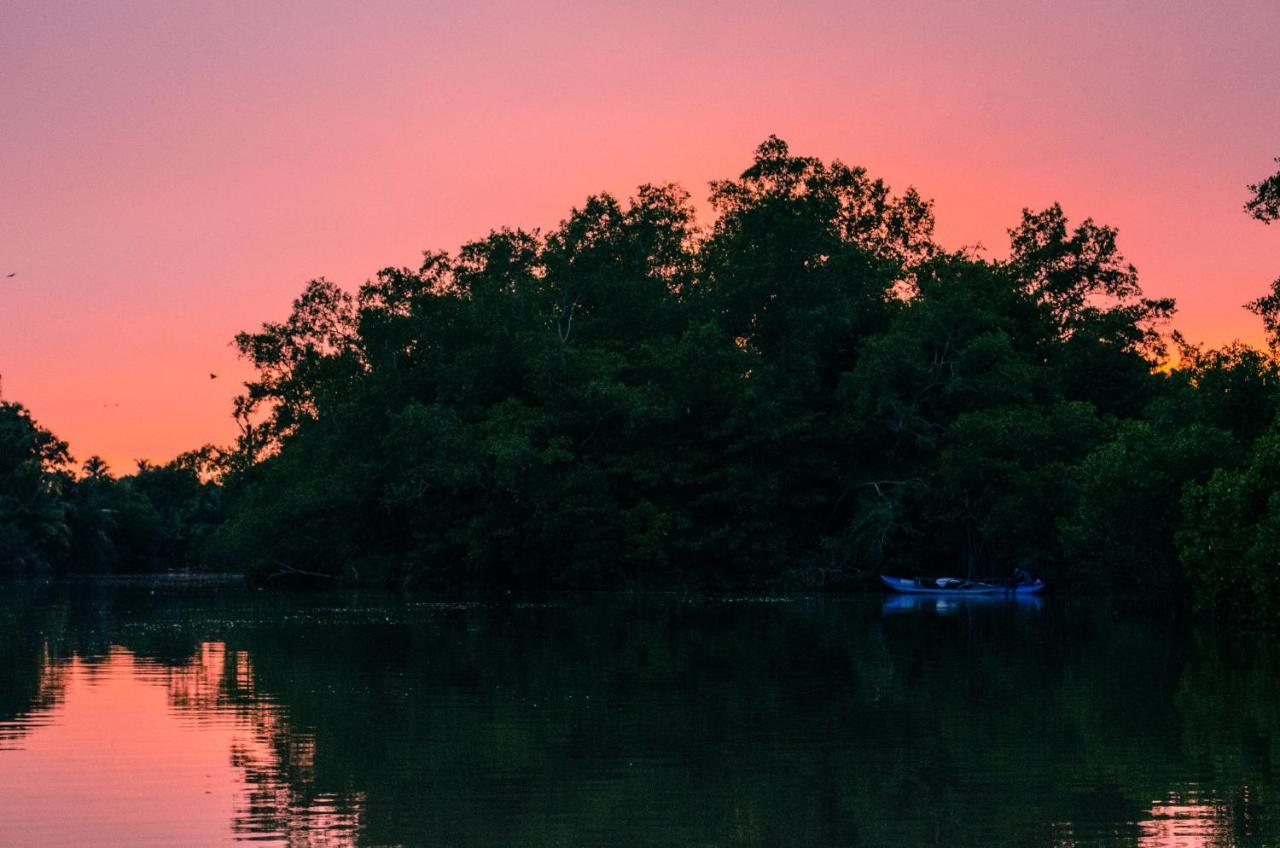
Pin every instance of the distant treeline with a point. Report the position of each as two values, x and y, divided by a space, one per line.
56 518
805 392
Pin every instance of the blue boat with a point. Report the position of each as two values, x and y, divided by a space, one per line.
956 586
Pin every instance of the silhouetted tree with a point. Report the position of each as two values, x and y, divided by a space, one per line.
34 475
1265 203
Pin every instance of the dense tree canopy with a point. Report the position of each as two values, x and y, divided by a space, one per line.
33 478
52 519
805 391
808 389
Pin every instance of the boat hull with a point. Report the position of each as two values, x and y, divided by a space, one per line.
907 586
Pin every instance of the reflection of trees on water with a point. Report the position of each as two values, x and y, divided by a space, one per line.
277 762
36 702
212 686
722 723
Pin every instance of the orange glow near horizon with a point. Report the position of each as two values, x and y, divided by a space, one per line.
171 174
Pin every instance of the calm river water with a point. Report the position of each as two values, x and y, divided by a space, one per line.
158 713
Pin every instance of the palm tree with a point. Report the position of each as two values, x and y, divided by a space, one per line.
96 468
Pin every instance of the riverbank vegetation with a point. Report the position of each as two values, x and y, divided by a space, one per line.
55 516
805 391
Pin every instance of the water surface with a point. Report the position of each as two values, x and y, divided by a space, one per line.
162 713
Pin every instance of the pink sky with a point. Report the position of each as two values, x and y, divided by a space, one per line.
171 173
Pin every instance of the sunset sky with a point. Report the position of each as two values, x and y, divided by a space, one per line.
172 172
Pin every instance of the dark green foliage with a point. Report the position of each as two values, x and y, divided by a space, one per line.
1265 203
1267 308
1236 388
34 527
156 519
1230 540
805 392
1120 532
1004 478
1265 206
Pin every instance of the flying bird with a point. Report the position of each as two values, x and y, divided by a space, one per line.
14 274
213 376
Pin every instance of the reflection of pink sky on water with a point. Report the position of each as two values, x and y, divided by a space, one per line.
1185 824
132 753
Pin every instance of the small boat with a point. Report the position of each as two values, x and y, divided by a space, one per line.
956 586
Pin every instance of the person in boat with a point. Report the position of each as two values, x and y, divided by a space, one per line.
1019 578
